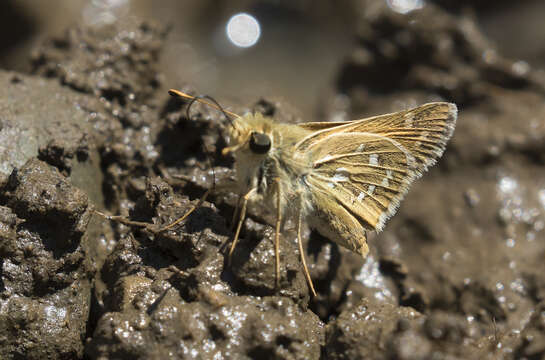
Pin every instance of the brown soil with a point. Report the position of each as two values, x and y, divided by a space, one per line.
458 273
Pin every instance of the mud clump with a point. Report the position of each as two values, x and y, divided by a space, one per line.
45 264
45 270
61 206
267 327
458 273
370 329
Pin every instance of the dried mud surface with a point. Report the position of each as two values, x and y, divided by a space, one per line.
458 273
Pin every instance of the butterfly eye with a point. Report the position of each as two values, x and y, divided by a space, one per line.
260 143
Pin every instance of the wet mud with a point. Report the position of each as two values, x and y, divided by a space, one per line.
458 273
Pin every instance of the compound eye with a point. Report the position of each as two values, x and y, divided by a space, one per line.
260 143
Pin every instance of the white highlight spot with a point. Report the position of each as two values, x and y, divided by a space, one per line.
243 30
405 6
541 197
385 182
361 196
371 189
104 12
507 185
370 276
360 148
520 68
373 159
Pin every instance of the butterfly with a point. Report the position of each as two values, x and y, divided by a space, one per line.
343 178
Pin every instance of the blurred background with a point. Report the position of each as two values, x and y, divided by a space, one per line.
288 49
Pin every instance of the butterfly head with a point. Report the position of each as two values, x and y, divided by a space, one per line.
251 133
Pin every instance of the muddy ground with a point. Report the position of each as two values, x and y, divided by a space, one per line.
458 273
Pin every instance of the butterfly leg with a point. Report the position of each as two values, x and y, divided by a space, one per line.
235 213
302 253
240 222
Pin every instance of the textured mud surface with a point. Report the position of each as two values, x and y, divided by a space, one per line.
459 273
45 269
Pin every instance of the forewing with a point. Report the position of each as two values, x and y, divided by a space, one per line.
423 131
366 166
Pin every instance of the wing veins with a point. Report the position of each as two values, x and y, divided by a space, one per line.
348 207
418 139
402 131
340 156
400 171
375 184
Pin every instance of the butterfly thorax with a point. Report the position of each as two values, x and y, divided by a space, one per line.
265 159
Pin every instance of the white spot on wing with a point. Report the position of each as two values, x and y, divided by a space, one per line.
360 148
386 180
341 174
361 196
371 189
424 136
373 159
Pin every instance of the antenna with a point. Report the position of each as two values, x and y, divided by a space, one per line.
212 103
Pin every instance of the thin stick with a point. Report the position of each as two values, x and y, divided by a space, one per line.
149 226
302 253
277 235
123 220
193 208
495 330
